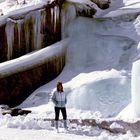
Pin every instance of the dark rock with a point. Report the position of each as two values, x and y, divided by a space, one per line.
24 112
3 44
105 125
86 12
102 4
16 112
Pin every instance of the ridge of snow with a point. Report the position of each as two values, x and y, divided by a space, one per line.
28 60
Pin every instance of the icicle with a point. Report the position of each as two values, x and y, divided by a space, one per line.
57 13
37 30
52 15
19 26
27 32
43 20
10 37
68 14
55 17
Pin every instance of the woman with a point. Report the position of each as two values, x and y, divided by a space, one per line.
59 99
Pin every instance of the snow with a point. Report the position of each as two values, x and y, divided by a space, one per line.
100 53
101 95
11 6
119 8
132 112
131 2
115 125
18 134
19 11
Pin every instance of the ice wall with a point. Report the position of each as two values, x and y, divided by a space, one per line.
135 88
92 44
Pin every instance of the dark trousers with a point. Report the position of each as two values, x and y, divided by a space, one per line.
63 111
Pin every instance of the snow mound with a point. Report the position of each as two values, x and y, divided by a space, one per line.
107 95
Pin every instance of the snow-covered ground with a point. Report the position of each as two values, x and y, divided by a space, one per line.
17 134
96 78
8 6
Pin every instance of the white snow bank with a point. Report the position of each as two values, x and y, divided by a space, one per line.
127 114
131 2
108 95
17 134
132 110
17 12
31 59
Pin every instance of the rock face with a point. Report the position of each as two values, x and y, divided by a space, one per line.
30 30
3 44
103 4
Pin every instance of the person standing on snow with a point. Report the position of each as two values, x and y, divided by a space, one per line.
59 99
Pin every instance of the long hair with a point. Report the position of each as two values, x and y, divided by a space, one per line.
59 84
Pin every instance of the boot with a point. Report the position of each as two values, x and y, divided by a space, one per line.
56 125
65 124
